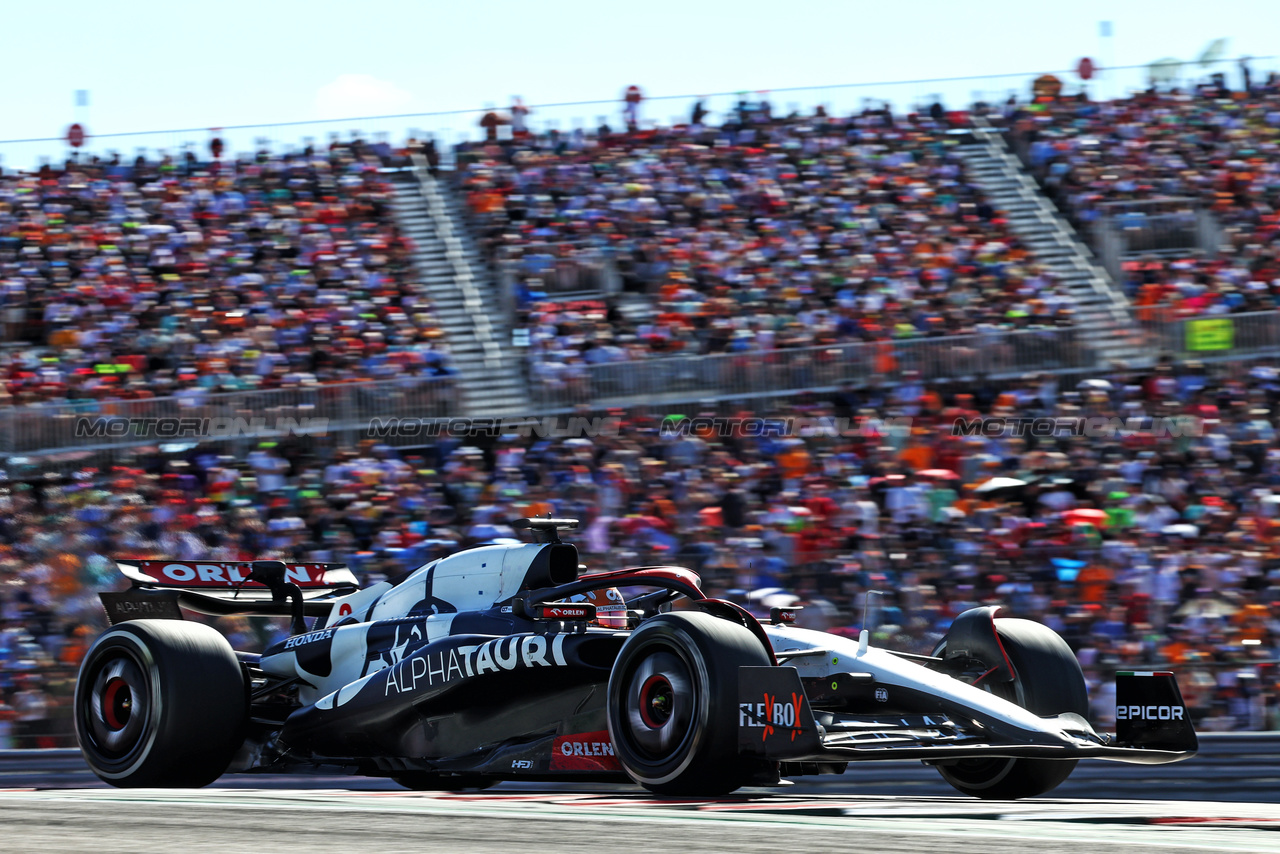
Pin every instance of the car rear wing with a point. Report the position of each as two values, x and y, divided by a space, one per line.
222 588
231 578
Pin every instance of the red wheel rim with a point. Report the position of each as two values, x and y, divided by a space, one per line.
114 705
655 700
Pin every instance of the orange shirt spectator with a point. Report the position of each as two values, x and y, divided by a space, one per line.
917 455
794 462
1093 583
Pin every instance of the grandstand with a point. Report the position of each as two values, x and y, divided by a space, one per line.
864 281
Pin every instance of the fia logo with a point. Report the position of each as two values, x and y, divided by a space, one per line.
882 695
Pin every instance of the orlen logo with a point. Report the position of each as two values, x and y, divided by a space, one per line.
226 574
770 714
586 748
585 751
565 613
207 572
1149 713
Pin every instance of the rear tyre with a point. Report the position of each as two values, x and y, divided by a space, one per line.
1049 681
160 703
673 706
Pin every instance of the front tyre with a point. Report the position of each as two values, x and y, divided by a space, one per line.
160 703
1048 681
673 706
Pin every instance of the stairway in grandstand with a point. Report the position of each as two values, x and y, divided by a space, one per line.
463 294
1102 312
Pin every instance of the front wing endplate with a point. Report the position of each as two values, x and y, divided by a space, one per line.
774 717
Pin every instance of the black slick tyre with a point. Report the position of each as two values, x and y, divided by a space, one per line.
673 708
1049 682
160 703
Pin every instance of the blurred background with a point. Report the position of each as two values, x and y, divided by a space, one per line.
971 307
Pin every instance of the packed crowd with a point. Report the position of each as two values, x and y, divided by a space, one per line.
148 278
1141 541
1194 285
1150 162
763 233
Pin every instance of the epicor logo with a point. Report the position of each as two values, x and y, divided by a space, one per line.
1150 713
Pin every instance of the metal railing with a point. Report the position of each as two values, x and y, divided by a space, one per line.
1162 226
1154 225
1158 331
350 408
314 410
544 269
756 374
1208 337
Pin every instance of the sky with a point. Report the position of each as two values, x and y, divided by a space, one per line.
152 66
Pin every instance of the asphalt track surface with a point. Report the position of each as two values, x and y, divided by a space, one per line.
267 814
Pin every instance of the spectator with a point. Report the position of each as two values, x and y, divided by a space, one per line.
1151 162
763 234
154 280
631 107
826 514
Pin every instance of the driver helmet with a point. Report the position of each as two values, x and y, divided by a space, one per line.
611 608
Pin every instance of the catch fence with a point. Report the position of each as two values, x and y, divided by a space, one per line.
243 417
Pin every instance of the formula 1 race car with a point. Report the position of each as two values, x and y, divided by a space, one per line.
502 662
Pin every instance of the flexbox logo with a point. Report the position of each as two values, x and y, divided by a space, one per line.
775 711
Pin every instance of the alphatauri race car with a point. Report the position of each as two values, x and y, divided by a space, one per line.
505 662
